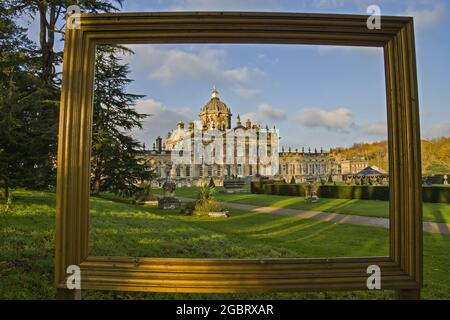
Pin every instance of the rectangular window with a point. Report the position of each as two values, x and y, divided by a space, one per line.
200 171
209 170
188 170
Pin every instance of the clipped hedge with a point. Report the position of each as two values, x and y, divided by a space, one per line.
430 194
354 192
285 189
258 186
436 194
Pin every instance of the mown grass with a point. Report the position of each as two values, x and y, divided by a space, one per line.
27 245
435 212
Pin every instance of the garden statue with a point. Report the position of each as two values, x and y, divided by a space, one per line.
168 201
311 191
445 179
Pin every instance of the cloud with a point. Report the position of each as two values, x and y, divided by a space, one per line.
162 119
242 74
332 120
174 65
265 113
329 3
438 130
378 129
237 74
225 5
323 50
246 93
425 19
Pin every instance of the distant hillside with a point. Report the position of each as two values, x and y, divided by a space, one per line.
435 154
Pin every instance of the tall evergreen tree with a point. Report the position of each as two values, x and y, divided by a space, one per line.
30 108
21 132
51 15
115 165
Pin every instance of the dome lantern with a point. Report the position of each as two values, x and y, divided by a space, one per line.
215 93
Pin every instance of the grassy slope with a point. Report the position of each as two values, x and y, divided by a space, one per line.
436 212
27 235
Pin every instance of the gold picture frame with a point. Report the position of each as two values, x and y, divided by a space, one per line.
402 270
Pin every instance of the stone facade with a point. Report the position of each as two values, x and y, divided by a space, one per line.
215 116
305 164
353 166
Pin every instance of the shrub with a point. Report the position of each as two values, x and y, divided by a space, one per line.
293 180
211 183
206 193
206 202
209 206
145 193
188 208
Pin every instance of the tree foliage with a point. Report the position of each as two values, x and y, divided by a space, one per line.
435 154
29 89
115 164
27 140
51 15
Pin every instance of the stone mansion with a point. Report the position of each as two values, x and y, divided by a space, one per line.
256 154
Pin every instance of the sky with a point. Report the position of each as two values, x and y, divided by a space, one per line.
317 96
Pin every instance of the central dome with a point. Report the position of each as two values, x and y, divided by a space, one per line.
215 104
215 114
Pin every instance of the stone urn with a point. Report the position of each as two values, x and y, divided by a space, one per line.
168 201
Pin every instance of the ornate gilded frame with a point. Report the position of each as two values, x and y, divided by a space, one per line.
400 271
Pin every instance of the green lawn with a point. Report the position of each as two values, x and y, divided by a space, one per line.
436 212
27 245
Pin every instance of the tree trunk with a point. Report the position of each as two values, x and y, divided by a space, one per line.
97 184
46 41
5 188
97 178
